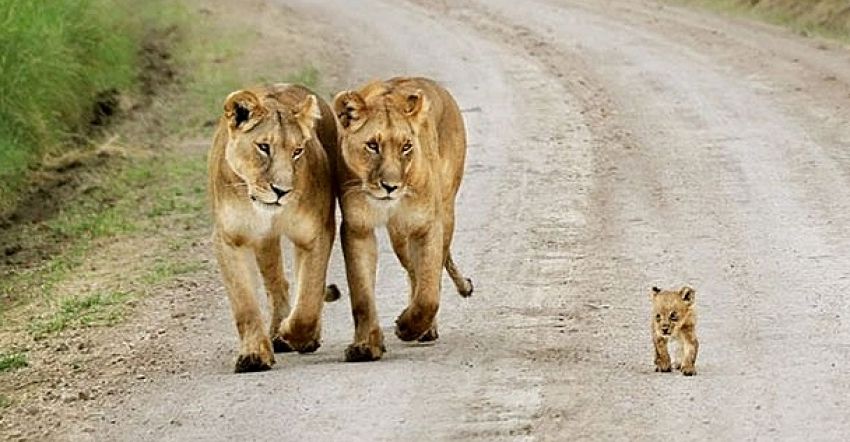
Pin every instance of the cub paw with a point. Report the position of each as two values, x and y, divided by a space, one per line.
662 368
689 371
252 363
364 353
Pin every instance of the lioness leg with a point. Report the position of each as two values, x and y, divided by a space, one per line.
462 284
255 353
360 249
302 329
270 261
402 251
426 251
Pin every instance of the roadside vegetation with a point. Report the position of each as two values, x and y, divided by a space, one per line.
61 61
102 214
826 18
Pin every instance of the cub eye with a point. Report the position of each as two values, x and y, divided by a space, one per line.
297 152
658 317
674 317
372 146
407 148
264 148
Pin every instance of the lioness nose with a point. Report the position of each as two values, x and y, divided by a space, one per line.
280 192
388 187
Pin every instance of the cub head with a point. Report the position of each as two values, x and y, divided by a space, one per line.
267 144
380 138
670 309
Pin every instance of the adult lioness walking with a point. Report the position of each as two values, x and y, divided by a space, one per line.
270 175
403 146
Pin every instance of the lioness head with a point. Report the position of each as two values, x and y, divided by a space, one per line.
266 144
380 139
670 309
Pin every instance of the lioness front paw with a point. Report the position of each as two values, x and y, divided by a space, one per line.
664 368
281 346
299 337
364 352
430 335
689 371
413 323
253 362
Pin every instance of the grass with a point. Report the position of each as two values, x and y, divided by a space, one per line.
12 361
5 401
154 197
137 197
96 309
826 18
57 57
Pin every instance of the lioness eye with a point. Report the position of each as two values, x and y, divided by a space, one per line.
297 152
264 148
407 147
372 146
674 317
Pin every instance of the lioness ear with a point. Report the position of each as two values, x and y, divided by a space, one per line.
416 105
687 294
349 108
243 110
307 113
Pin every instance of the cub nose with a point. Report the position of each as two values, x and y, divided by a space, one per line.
390 188
279 191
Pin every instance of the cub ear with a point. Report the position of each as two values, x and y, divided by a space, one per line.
687 294
243 110
416 105
306 114
655 290
349 108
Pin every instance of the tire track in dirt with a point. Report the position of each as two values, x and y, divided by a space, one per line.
725 189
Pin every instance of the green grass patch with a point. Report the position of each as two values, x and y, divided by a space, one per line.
5 401
826 18
156 196
12 361
57 58
166 269
96 309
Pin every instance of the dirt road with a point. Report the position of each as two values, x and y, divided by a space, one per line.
614 145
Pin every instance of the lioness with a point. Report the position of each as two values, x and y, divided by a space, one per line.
403 147
270 175
674 316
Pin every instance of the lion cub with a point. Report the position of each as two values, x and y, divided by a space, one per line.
674 316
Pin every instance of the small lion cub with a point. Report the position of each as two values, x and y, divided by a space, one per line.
674 316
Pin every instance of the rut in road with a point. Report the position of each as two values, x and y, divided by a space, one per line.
612 146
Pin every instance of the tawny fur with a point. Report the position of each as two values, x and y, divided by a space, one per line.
674 318
403 146
273 136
